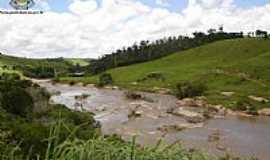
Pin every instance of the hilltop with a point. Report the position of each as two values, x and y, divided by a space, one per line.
239 66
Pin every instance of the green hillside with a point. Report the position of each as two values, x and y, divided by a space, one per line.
79 61
35 67
10 61
241 66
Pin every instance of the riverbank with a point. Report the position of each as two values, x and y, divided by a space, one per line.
254 106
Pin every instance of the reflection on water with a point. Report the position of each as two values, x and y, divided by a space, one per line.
241 136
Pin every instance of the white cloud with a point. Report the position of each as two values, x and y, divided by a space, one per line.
89 30
83 7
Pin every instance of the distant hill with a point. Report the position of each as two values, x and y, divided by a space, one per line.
240 65
19 61
81 61
29 66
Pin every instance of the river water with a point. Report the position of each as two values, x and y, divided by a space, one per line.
240 136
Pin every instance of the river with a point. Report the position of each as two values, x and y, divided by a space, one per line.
239 136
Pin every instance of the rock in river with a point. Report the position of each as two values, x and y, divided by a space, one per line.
264 112
190 116
190 102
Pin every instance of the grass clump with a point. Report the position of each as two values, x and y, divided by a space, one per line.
245 105
105 79
189 90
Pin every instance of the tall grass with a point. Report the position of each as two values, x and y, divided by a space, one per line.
108 148
112 148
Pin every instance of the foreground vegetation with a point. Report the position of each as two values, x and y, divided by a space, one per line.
32 128
26 117
239 66
113 148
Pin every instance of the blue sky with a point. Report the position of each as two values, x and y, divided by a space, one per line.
174 5
251 3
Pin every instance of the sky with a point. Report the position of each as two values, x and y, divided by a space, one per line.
92 28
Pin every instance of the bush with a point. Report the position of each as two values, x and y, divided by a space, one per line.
17 101
32 137
105 79
189 90
73 119
10 76
56 79
39 72
71 83
245 106
241 105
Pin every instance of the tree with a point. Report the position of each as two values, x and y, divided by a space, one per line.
212 31
199 34
261 33
220 29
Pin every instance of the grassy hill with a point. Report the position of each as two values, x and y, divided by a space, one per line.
241 66
81 62
20 65
10 61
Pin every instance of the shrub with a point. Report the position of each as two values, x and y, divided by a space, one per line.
23 83
73 119
241 105
17 101
32 137
72 83
188 89
10 76
252 110
79 118
246 106
105 79
56 79
39 72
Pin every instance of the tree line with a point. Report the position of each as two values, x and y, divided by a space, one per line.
147 51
